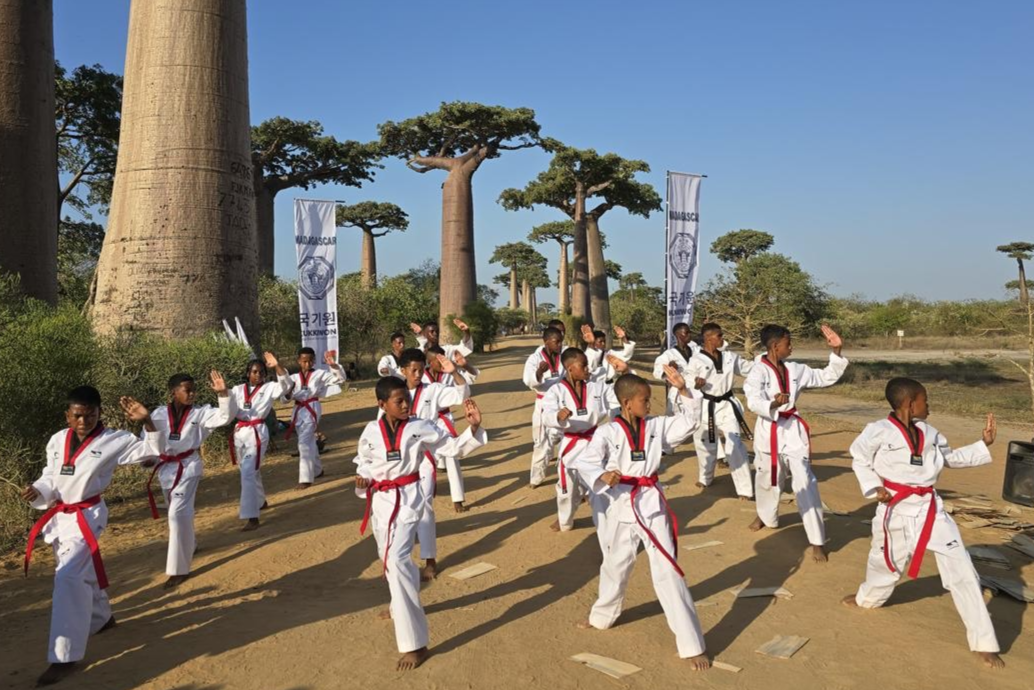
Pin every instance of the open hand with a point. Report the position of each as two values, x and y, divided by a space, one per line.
619 332
415 327
218 383
472 413
563 415
460 324
832 339
674 377
612 478
29 493
271 360
330 357
134 410
587 334
620 365
990 429
447 364
459 360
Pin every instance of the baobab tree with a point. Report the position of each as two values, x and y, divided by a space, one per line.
561 232
371 217
291 153
179 254
574 176
739 245
1021 251
516 256
28 152
457 139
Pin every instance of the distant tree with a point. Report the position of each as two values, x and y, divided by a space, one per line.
561 232
1021 251
371 216
739 245
613 269
516 256
88 106
78 248
631 282
289 153
457 139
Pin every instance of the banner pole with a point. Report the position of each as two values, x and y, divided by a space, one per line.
667 221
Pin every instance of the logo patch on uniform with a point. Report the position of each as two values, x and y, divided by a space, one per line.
953 544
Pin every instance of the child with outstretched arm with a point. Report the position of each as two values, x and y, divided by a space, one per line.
623 460
79 465
308 386
897 461
390 453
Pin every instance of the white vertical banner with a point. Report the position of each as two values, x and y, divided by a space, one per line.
315 239
682 247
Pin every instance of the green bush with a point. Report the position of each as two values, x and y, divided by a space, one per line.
278 316
483 322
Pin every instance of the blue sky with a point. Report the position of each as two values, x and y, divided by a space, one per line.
888 146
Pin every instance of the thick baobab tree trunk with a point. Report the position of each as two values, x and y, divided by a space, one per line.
1024 296
533 309
264 207
513 287
369 260
526 296
459 274
599 290
580 304
28 147
180 252
563 289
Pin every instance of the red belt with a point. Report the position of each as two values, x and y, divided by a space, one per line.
434 469
774 438
651 482
539 396
901 492
387 485
84 527
243 424
307 404
165 460
444 416
574 438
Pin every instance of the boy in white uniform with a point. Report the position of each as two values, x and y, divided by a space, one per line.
252 402
389 364
622 461
599 357
542 371
677 357
307 387
575 407
426 401
463 371
711 371
429 336
390 453
79 464
782 439
897 461
184 427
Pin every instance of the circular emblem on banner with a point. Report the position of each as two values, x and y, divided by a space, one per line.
682 254
315 277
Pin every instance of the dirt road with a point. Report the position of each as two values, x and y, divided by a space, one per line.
294 605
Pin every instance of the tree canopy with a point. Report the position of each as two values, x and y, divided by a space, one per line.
371 216
739 245
88 106
559 231
296 153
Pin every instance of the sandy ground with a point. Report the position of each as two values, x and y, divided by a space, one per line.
294 605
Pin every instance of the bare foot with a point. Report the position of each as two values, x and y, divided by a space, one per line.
818 553
265 504
459 507
699 663
251 525
756 525
55 673
107 626
410 660
991 659
701 485
175 581
533 485
743 498
583 625
430 571
850 600
385 615
555 526
304 485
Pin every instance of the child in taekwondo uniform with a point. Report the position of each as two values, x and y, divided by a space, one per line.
390 453
897 461
79 465
623 460
308 386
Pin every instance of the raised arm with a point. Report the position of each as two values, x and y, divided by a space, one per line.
973 455
685 418
215 417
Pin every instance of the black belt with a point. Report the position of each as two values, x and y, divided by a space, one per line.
712 401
